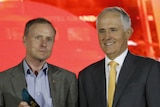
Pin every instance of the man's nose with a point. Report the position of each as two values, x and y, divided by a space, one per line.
44 42
107 34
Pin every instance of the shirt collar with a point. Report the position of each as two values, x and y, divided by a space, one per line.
119 59
27 69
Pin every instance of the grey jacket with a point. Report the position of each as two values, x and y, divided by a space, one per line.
63 86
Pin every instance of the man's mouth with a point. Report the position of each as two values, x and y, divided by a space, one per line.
108 43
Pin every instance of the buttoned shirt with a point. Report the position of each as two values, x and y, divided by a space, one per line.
119 60
38 86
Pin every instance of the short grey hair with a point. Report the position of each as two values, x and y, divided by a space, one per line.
126 20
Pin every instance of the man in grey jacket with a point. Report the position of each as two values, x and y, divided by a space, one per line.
48 85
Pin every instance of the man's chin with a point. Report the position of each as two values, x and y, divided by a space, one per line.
110 54
42 59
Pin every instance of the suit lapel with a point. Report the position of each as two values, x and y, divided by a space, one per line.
125 73
55 81
98 75
18 80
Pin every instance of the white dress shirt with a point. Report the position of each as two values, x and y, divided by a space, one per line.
119 60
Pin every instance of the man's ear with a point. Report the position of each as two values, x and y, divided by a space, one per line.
24 40
129 32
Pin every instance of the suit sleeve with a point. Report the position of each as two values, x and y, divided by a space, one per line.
153 86
82 96
72 100
1 96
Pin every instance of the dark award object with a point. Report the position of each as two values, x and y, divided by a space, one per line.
28 98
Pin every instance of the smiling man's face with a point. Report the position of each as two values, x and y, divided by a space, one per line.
112 36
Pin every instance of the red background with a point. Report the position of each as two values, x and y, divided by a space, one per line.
76 43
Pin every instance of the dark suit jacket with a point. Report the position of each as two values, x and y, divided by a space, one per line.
63 87
138 84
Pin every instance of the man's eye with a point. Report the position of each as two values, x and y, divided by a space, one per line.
37 37
113 30
101 31
50 39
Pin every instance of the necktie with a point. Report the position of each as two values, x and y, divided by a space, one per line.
112 82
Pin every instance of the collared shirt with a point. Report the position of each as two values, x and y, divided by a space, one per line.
38 86
119 60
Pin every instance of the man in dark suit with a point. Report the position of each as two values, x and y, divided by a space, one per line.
48 85
137 81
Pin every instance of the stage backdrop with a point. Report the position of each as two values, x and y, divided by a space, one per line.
76 43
